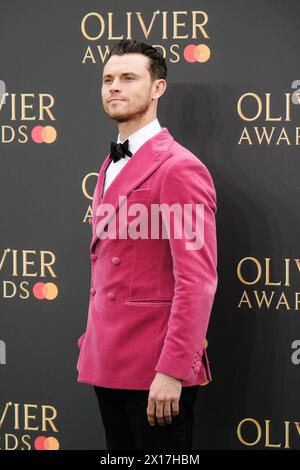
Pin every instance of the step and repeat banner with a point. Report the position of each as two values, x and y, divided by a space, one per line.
233 100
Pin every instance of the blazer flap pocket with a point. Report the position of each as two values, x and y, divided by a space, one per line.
139 194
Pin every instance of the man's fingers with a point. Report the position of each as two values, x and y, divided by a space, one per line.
160 412
167 412
151 412
175 407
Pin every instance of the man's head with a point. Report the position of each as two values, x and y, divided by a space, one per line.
133 80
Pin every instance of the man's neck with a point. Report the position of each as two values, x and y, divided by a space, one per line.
128 128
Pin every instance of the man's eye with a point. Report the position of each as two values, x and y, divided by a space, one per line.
109 80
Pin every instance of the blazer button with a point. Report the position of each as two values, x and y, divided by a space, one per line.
93 291
94 256
111 296
115 260
90 220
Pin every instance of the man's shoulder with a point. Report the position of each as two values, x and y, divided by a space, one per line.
183 158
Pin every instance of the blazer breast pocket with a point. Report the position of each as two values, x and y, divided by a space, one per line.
142 194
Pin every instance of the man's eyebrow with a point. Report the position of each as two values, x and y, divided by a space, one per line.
124 73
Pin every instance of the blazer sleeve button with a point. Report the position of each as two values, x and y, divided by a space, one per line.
93 291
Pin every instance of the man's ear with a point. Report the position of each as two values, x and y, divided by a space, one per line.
160 87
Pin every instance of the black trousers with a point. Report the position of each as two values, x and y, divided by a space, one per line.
126 425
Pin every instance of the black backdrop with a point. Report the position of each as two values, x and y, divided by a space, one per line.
219 107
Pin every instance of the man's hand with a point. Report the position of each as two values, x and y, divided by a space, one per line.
163 399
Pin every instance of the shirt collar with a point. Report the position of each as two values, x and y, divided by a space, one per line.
138 138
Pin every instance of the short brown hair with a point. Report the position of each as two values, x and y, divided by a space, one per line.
158 67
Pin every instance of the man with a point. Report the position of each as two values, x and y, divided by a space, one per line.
151 295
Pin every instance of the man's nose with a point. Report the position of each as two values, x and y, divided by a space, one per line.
115 84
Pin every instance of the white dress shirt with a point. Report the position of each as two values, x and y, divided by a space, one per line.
136 140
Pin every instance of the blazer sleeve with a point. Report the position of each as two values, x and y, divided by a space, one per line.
188 181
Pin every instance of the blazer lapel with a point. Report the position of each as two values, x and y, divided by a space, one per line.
144 161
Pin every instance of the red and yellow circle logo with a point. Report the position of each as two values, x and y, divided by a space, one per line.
42 290
193 53
46 443
41 134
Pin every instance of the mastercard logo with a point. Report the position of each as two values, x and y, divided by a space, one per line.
46 443
193 53
43 134
45 290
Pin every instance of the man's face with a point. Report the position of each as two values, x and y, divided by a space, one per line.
126 87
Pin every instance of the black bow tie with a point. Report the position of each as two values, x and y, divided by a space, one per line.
119 150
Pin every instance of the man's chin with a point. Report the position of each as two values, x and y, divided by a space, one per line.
119 117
